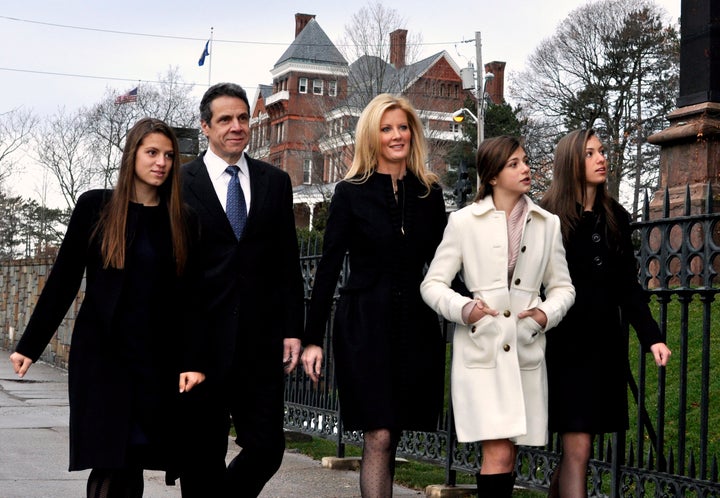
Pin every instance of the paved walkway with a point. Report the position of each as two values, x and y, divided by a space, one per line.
34 448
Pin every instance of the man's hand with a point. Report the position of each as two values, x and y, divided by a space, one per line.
291 353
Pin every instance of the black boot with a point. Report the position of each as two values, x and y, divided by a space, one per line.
495 485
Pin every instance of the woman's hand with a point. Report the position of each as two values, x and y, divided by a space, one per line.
479 310
661 353
188 380
21 363
312 359
536 314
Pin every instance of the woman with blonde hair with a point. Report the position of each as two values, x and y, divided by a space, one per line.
130 352
388 214
507 249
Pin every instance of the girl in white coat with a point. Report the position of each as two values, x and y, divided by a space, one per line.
506 249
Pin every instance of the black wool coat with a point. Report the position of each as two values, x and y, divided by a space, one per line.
587 354
100 380
389 353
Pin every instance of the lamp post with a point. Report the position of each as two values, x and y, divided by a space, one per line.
476 81
458 116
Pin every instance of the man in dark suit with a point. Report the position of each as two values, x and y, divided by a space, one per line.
249 302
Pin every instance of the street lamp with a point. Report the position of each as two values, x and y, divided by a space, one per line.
479 119
459 118
470 83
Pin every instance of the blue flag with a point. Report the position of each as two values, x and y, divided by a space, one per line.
205 53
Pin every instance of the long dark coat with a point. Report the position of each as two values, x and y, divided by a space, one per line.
389 353
587 355
101 375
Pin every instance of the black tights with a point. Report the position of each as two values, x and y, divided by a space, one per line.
378 463
115 483
570 477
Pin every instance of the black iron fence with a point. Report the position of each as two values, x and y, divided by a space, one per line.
673 444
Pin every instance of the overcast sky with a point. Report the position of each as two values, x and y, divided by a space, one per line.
68 52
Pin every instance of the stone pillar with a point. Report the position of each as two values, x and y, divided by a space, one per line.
690 145
188 143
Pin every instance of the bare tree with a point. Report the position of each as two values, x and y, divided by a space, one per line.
16 128
63 150
611 65
366 44
108 124
109 121
170 100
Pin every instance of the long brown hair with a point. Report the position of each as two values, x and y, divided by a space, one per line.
569 183
491 157
113 219
367 140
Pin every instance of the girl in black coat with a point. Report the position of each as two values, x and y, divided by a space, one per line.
126 355
389 214
587 354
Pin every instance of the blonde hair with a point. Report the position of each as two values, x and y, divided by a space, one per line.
367 140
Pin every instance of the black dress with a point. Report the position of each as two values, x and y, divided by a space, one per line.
389 352
587 355
144 302
128 342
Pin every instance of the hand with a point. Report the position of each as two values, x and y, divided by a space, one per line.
480 310
21 363
188 380
312 359
536 314
291 353
661 353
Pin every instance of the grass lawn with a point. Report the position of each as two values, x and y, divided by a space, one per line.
415 475
418 475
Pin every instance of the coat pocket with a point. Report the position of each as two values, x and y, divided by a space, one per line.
481 350
530 344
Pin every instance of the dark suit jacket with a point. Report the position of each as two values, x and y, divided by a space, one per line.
250 292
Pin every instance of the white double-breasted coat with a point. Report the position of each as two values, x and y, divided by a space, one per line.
499 380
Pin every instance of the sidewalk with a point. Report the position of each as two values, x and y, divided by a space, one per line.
34 448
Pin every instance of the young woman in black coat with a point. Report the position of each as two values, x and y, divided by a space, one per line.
127 350
587 356
389 215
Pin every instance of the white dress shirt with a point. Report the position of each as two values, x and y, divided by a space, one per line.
220 178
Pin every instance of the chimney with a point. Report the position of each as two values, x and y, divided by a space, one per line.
301 21
398 40
495 87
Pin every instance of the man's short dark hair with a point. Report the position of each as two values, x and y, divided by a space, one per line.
220 90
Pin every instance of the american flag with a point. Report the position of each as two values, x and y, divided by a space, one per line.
130 96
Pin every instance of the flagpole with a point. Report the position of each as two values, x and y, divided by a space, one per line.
210 57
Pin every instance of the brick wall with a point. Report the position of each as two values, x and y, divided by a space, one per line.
20 285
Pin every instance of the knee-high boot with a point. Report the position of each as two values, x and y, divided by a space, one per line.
495 485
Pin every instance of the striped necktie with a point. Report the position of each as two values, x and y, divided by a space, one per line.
236 209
